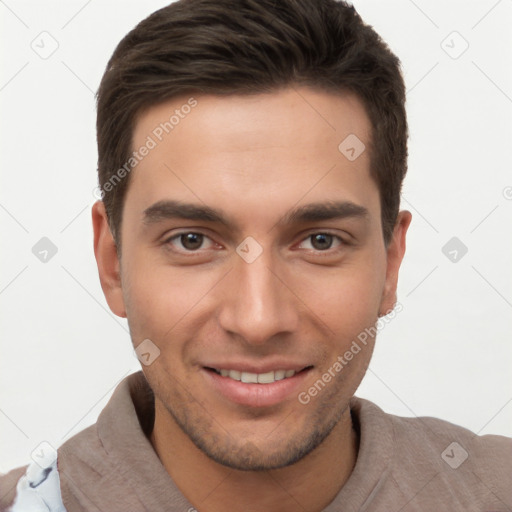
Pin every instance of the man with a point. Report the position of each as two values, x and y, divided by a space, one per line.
251 156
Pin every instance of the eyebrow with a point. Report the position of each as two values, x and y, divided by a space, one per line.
313 212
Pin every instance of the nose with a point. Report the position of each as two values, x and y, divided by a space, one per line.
257 302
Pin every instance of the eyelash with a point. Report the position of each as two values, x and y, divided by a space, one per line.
326 252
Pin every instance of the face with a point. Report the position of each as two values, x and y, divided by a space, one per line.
252 258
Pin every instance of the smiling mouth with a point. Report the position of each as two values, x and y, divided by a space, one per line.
257 378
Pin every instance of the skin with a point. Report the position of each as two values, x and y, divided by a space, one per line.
255 158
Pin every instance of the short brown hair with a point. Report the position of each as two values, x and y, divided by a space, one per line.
246 47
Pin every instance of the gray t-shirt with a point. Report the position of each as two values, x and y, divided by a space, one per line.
403 464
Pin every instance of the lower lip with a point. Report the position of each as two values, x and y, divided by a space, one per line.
256 395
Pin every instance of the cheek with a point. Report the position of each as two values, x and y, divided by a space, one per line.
346 299
160 298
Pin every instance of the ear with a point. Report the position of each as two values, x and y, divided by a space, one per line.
395 253
107 260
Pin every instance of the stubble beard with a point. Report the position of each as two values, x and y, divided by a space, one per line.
208 435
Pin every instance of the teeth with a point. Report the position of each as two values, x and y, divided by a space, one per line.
249 377
266 378
257 378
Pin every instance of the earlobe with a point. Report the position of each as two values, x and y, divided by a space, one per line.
105 251
395 253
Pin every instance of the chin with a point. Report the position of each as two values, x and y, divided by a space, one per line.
246 455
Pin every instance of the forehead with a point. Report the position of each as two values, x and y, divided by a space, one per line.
302 117
254 150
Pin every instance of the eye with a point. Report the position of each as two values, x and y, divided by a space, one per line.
322 241
189 241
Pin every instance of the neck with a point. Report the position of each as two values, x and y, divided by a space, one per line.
310 484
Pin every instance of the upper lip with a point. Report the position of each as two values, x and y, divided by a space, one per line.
253 367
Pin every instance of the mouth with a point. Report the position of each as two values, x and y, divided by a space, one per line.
256 378
252 389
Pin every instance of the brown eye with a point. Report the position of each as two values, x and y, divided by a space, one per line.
191 241
321 241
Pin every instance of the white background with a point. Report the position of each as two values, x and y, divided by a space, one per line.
447 354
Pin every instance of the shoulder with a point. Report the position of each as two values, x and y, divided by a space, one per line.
33 487
36 488
452 444
8 484
447 459
428 435
84 457
460 461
